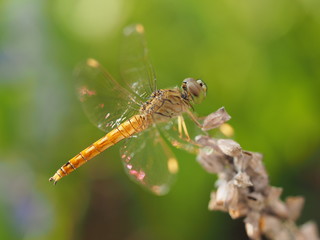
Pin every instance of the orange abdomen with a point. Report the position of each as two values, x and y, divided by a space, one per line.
128 128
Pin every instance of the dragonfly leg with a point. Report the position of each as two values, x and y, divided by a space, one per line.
185 130
194 119
185 141
182 128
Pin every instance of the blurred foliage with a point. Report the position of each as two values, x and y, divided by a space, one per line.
260 59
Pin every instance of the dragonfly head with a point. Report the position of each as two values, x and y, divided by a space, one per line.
195 88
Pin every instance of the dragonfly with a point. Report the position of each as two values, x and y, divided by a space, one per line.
135 111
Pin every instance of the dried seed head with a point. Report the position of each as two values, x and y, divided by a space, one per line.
274 193
211 161
309 231
241 162
213 203
204 140
238 210
257 165
215 119
271 226
224 176
243 188
275 204
256 201
279 208
260 183
242 180
229 147
252 225
226 193
294 205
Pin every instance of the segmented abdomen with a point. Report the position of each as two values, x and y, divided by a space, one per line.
134 125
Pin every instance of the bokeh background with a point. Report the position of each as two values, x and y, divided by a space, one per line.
260 59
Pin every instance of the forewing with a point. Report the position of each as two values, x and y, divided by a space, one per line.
149 161
105 101
136 68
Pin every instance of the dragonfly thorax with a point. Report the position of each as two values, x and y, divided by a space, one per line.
165 104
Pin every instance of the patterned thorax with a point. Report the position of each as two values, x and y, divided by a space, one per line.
164 104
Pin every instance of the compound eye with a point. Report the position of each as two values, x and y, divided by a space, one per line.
200 82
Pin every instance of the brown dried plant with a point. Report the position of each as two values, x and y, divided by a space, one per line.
243 188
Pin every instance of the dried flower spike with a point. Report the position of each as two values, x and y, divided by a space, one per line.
215 119
243 188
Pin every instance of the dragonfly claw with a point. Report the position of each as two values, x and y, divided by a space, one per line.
52 179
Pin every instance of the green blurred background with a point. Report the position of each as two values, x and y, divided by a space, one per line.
260 59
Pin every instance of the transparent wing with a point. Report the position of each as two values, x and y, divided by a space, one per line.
136 68
149 161
105 101
181 133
